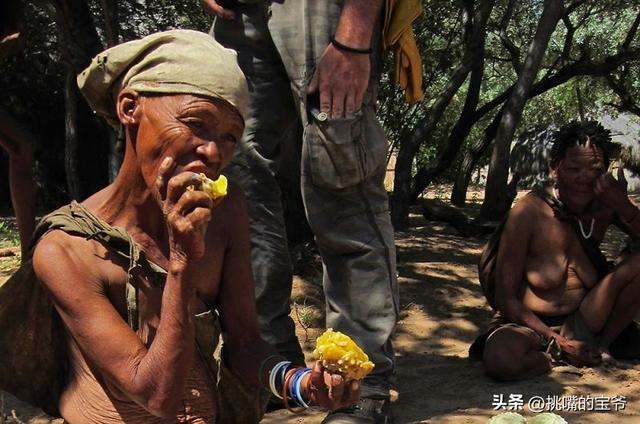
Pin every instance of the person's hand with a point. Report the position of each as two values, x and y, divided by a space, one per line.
329 391
187 212
341 79
613 193
215 8
579 354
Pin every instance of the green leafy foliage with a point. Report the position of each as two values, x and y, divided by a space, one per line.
32 82
592 35
8 234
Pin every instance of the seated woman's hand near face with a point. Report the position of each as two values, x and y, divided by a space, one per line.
187 211
613 194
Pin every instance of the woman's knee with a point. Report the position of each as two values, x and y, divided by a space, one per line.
504 354
502 365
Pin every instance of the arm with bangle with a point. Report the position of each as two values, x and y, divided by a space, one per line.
301 387
286 382
252 359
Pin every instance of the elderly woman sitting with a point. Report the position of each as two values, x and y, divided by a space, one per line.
555 294
144 272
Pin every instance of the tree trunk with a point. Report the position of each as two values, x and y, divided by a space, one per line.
470 160
79 42
496 200
469 115
111 24
71 137
112 34
580 68
461 184
402 193
460 130
580 101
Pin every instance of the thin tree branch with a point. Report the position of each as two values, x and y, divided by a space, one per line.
513 50
573 6
632 33
627 103
568 39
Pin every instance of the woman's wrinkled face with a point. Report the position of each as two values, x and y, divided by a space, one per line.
199 134
577 173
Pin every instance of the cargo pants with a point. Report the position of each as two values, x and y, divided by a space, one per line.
343 163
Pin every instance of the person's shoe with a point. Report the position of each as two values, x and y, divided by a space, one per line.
366 411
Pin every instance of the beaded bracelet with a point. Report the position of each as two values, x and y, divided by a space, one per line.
349 49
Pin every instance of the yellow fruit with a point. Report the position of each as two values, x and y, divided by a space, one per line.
339 354
214 188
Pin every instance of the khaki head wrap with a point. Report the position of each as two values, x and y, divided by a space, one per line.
171 62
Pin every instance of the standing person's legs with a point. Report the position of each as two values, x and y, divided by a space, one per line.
272 114
343 167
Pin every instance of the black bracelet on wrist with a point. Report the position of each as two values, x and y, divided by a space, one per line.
338 45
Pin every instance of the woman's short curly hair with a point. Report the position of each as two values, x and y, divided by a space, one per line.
578 133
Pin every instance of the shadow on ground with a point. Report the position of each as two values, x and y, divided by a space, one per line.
442 311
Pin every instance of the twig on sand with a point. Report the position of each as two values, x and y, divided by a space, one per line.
9 251
304 327
15 417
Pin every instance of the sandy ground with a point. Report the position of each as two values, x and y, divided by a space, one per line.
442 311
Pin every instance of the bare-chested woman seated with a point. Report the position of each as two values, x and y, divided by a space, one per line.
141 320
555 295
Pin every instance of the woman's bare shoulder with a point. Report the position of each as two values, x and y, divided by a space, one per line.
530 207
59 254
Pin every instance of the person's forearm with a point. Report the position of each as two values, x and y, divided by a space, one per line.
357 21
520 314
247 361
161 374
631 218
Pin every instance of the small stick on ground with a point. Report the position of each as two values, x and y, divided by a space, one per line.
304 327
15 417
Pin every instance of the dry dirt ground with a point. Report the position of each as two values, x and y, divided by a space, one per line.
442 310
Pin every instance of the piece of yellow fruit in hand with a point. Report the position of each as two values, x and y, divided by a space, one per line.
339 354
214 188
